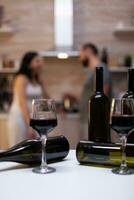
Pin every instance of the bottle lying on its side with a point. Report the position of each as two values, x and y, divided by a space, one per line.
29 151
88 152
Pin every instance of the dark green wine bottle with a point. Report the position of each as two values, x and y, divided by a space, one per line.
91 153
99 128
29 151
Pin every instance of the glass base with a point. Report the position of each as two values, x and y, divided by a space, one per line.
123 171
44 170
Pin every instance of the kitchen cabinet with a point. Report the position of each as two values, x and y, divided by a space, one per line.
68 125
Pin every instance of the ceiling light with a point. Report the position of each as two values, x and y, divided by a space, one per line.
62 55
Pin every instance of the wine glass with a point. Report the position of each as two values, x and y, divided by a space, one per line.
122 121
43 120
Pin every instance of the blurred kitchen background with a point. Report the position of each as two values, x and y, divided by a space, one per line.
57 29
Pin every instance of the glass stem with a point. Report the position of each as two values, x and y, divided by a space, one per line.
123 162
44 158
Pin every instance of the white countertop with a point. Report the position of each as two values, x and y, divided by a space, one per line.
70 182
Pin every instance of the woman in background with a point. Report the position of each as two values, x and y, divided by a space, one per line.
27 85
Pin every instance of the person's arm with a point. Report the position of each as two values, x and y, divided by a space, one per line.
20 88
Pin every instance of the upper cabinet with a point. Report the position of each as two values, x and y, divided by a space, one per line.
125 30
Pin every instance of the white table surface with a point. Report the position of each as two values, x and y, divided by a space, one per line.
70 182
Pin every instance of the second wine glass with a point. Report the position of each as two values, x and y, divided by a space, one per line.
43 120
122 121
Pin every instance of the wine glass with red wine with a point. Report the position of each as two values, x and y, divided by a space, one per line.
122 121
43 120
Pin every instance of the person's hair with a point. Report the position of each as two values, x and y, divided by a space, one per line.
25 65
91 46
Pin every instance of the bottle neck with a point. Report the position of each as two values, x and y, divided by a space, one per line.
99 79
131 80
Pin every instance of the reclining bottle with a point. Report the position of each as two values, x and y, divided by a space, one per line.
29 151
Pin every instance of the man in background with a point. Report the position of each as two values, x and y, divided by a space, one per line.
89 57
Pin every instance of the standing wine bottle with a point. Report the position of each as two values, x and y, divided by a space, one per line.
130 94
103 153
99 128
29 151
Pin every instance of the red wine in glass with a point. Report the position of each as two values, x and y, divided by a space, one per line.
122 124
43 126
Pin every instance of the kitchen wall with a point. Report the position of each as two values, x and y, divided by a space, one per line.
34 23
95 21
63 76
